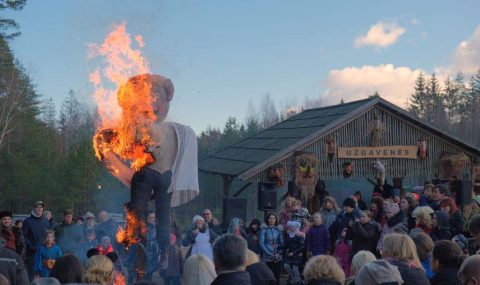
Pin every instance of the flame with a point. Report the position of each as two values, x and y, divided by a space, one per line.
119 279
125 103
135 231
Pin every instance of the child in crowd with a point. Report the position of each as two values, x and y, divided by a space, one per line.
105 246
46 255
294 246
426 198
318 237
300 215
172 275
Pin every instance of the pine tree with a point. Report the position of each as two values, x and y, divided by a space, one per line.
419 99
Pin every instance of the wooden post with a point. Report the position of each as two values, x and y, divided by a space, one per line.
227 182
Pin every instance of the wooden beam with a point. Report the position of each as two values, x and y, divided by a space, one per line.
242 189
227 183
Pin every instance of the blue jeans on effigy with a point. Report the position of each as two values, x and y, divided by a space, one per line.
145 182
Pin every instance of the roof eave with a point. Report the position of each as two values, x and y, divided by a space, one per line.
306 141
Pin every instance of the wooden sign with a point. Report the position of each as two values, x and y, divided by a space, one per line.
394 151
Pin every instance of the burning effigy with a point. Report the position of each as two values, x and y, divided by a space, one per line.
153 157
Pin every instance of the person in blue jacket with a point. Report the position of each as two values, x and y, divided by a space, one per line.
46 255
271 244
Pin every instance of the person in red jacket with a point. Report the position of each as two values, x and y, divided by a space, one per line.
105 247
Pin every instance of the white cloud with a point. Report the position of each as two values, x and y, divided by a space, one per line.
382 34
466 57
394 84
415 21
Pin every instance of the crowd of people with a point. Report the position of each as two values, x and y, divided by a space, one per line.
420 237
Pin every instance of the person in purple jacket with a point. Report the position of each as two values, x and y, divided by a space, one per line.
318 237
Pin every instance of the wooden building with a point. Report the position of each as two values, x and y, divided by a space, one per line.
361 134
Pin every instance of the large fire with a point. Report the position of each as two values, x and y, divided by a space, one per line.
125 110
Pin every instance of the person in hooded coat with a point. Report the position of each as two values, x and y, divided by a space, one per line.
253 236
441 229
378 272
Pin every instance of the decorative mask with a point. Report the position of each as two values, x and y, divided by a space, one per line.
306 172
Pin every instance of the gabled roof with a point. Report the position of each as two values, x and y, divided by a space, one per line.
251 155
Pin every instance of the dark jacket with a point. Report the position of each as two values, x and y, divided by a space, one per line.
318 240
69 237
410 275
343 221
253 241
457 222
7 233
365 237
443 230
175 262
323 282
107 228
295 245
34 229
362 205
446 276
260 274
11 266
237 278
215 226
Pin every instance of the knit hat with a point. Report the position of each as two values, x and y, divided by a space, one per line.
36 203
401 229
349 202
196 218
392 208
4 214
89 215
378 272
294 224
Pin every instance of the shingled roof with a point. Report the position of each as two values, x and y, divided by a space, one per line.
271 145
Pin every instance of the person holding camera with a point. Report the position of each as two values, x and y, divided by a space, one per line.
200 237
271 243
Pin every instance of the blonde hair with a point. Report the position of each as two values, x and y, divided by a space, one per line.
251 257
98 270
423 215
198 269
401 247
297 203
359 260
323 266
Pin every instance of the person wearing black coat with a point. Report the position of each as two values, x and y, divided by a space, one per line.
441 229
253 236
260 274
34 229
365 234
293 253
11 266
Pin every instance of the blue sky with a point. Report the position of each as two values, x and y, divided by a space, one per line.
221 54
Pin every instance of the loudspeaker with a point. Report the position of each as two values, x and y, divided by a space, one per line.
267 196
236 208
462 189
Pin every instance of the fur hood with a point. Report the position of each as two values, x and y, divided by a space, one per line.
264 226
